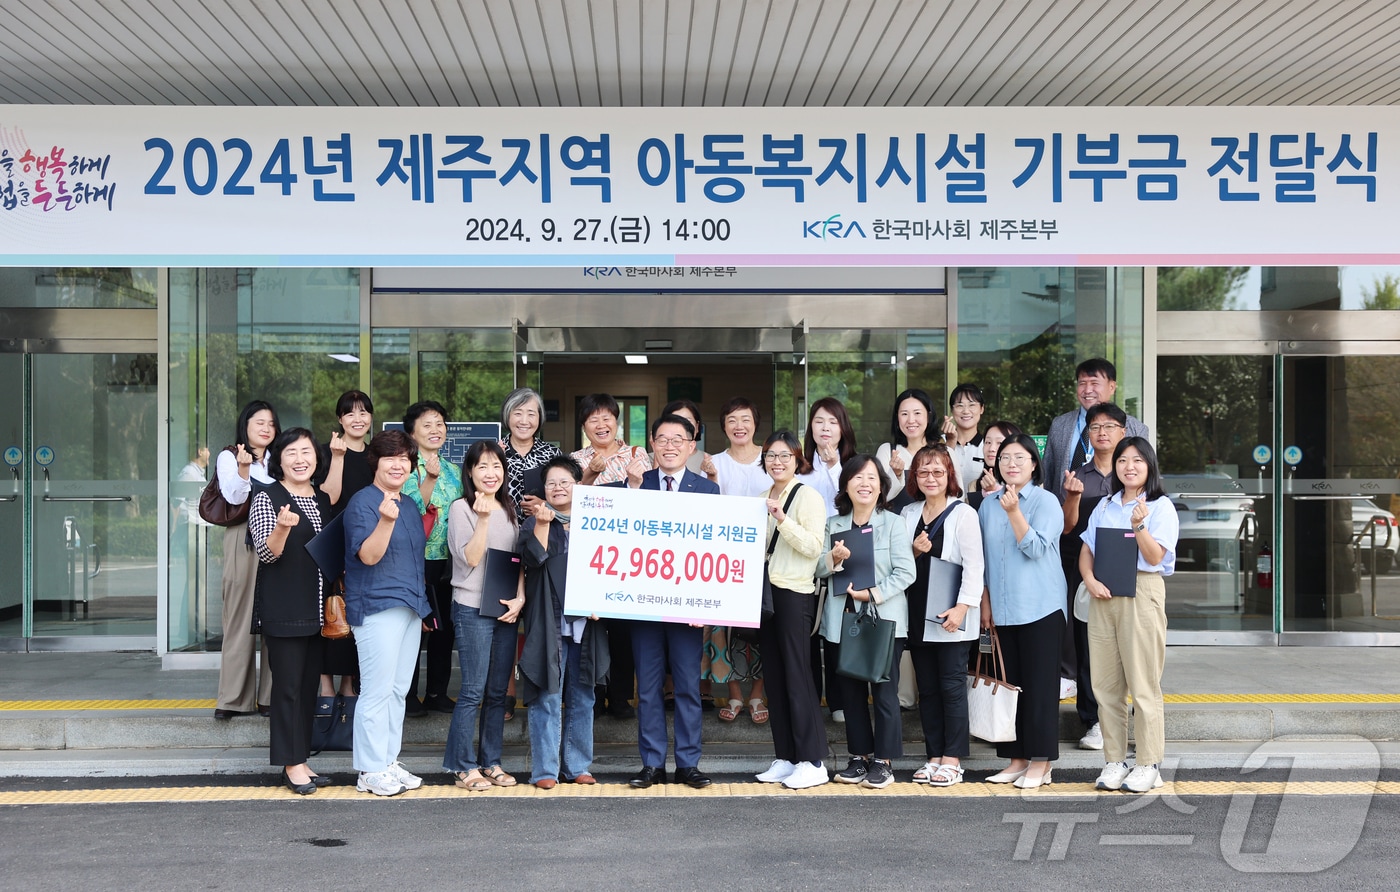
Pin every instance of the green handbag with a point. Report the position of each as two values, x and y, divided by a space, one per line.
866 651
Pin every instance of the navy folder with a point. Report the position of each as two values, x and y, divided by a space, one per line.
858 570
502 578
944 583
1116 560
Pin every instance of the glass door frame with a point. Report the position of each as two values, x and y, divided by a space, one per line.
1266 333
83 331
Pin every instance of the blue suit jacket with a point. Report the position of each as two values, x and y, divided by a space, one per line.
689 482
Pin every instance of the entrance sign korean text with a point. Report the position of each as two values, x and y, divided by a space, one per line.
674 557
709 189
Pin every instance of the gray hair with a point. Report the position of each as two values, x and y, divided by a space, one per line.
518 397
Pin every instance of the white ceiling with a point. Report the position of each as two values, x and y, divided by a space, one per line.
702 52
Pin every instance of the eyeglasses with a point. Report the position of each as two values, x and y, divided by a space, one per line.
966 405
670 441
930 473
1105 427
558 484
1017 459
780 457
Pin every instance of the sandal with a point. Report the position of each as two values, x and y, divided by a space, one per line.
946 776
498 776
923 775
758 712
732 711
471 780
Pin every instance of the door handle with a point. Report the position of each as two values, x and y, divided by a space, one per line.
15 496
48 498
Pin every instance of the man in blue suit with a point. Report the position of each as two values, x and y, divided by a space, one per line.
673 441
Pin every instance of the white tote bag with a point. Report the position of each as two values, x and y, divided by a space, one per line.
991 701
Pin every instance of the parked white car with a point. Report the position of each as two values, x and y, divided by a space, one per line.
1366 513
1210 518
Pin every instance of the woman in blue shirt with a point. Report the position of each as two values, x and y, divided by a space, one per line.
385 605
1128 630
1025 602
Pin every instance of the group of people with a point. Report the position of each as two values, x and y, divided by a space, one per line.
474 558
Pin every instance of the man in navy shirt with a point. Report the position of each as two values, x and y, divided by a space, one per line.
673 441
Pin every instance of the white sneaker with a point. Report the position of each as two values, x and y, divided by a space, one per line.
777 772
380 783
410 781
838 716
806 774
1111 778
1143 778
1068 688
1092 739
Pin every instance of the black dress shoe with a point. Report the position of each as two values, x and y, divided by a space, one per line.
224 715
692 777
300 789
265 711
413 707
648 776
439 703
321 780
625 711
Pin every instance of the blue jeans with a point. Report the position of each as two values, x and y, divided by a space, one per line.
576 735
388 645
486 654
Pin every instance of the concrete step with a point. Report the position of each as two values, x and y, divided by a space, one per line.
178 729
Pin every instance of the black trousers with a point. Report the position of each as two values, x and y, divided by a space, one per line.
1032 653
1074 660
940 672
823 656
437 576
622 671
296 679
794 709
886 738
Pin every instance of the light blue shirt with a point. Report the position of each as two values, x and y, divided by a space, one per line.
1162 525
1025 579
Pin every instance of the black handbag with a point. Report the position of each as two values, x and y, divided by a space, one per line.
866 651
333 729
765 609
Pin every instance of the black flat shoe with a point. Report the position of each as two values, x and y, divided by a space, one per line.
414 708
692 777
299 789
224 715
265 711
646 777
320 780
439 703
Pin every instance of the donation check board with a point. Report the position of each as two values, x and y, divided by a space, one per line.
672 557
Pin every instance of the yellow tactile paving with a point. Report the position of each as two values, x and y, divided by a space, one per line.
75 705
347 792
115 705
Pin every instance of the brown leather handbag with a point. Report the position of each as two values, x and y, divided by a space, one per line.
215 509
333 623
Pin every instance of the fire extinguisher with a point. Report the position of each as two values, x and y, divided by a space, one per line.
1264 575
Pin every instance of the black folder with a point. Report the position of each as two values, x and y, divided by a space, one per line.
858 570
944 583
532 482
327 548
1115 560
502 581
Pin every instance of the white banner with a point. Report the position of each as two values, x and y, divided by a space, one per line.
674 557
703 188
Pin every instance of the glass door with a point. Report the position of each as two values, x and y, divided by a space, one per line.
13 505
1340 469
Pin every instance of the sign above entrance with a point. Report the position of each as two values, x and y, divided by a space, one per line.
669 188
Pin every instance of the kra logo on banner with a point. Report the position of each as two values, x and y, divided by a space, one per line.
833 227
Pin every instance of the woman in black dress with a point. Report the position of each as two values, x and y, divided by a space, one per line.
287 604
346 473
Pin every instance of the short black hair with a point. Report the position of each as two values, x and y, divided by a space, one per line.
351 398
285 439
390 443
971 391
1096 366
853 466
567 463
418 410
674 419
1153 488
739 404
922 397
1099 410
1026 443
788 439
591 404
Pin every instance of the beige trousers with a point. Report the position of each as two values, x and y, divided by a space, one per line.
1127 653
239 681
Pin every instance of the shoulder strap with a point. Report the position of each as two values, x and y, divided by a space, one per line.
938 521
773 543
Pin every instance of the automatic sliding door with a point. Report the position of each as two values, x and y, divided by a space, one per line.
12 502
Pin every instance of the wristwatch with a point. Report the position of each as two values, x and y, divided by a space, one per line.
1140 527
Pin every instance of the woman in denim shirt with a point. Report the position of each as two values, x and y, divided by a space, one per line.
860 506
385 605
1025 601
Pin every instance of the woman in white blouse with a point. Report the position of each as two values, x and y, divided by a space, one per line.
910 425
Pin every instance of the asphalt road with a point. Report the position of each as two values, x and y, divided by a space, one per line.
870 841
